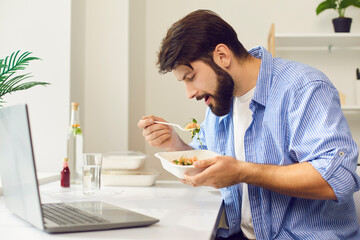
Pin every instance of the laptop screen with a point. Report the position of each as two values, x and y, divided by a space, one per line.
17 165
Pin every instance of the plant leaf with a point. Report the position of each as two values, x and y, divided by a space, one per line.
347 3
328 4
27 85
2 66
1 102
7 85
14 64
8 67
12 59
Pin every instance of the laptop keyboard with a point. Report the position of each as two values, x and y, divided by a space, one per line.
63 214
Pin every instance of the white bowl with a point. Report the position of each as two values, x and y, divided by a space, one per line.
128 160
128 178
166 159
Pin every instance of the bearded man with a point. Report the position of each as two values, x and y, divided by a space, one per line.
288 160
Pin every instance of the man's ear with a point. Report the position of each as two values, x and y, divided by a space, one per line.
222 56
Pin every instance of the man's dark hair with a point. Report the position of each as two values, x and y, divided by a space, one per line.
194 38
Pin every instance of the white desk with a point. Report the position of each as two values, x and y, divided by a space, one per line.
184 212
43 177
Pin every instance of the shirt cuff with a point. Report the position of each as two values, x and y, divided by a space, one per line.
342 179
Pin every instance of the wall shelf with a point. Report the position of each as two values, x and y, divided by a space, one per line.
351 109
334 40
316 41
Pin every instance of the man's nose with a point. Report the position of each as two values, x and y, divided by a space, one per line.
190 90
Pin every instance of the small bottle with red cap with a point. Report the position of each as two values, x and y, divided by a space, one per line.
65 174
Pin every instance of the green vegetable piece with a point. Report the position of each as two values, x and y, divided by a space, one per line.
195 132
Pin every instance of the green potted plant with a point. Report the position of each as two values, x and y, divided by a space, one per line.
342 23
9 81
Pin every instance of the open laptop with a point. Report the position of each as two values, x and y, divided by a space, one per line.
21 191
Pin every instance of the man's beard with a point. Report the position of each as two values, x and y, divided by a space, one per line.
224 91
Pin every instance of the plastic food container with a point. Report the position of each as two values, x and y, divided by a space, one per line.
128 160
144 178
166 159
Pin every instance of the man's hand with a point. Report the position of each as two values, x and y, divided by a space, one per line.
220 171
160 135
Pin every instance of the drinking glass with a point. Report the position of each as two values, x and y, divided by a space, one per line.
91 172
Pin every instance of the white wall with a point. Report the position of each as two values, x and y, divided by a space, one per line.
92 38
165 97
42 27
137 73
100 72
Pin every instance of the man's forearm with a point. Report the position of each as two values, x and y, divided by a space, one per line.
297 180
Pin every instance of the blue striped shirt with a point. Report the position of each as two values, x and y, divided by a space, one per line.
296 118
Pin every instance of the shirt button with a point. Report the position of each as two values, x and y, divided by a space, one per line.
341 153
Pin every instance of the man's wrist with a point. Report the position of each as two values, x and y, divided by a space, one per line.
180 146
247 172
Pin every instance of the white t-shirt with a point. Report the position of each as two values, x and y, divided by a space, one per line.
242 117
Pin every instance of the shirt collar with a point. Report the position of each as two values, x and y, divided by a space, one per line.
264 79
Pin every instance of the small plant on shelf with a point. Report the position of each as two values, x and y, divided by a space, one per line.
342 23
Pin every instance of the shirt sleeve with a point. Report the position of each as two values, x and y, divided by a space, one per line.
319 134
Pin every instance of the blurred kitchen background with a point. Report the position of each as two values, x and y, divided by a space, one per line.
103 55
